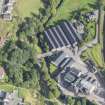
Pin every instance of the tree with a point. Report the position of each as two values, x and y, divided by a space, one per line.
20 64
54 4
70 101
79 103
51 84
84 101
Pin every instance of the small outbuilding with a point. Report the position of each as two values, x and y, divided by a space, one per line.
62 35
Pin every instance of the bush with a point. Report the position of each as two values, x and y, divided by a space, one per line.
52 68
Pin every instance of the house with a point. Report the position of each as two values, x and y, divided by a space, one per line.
2 73
7 98
62 35
6 7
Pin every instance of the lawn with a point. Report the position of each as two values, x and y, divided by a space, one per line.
95 54
68 6
24 8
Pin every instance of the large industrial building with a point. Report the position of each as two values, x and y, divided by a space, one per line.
62 60
83 83
62 35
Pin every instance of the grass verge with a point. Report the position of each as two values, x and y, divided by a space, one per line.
95 54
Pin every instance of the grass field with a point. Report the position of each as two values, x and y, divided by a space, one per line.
6 87
95 54
22 9
68 6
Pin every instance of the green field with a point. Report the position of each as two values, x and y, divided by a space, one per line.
95 54
68 6
22 9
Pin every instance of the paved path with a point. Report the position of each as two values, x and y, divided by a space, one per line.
50 52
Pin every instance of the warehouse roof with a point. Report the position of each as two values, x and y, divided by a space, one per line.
63 34
69 77
63 61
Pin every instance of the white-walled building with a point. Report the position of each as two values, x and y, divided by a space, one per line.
6 7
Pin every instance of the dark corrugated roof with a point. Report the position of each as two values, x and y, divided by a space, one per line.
63 34
62 61
74 71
